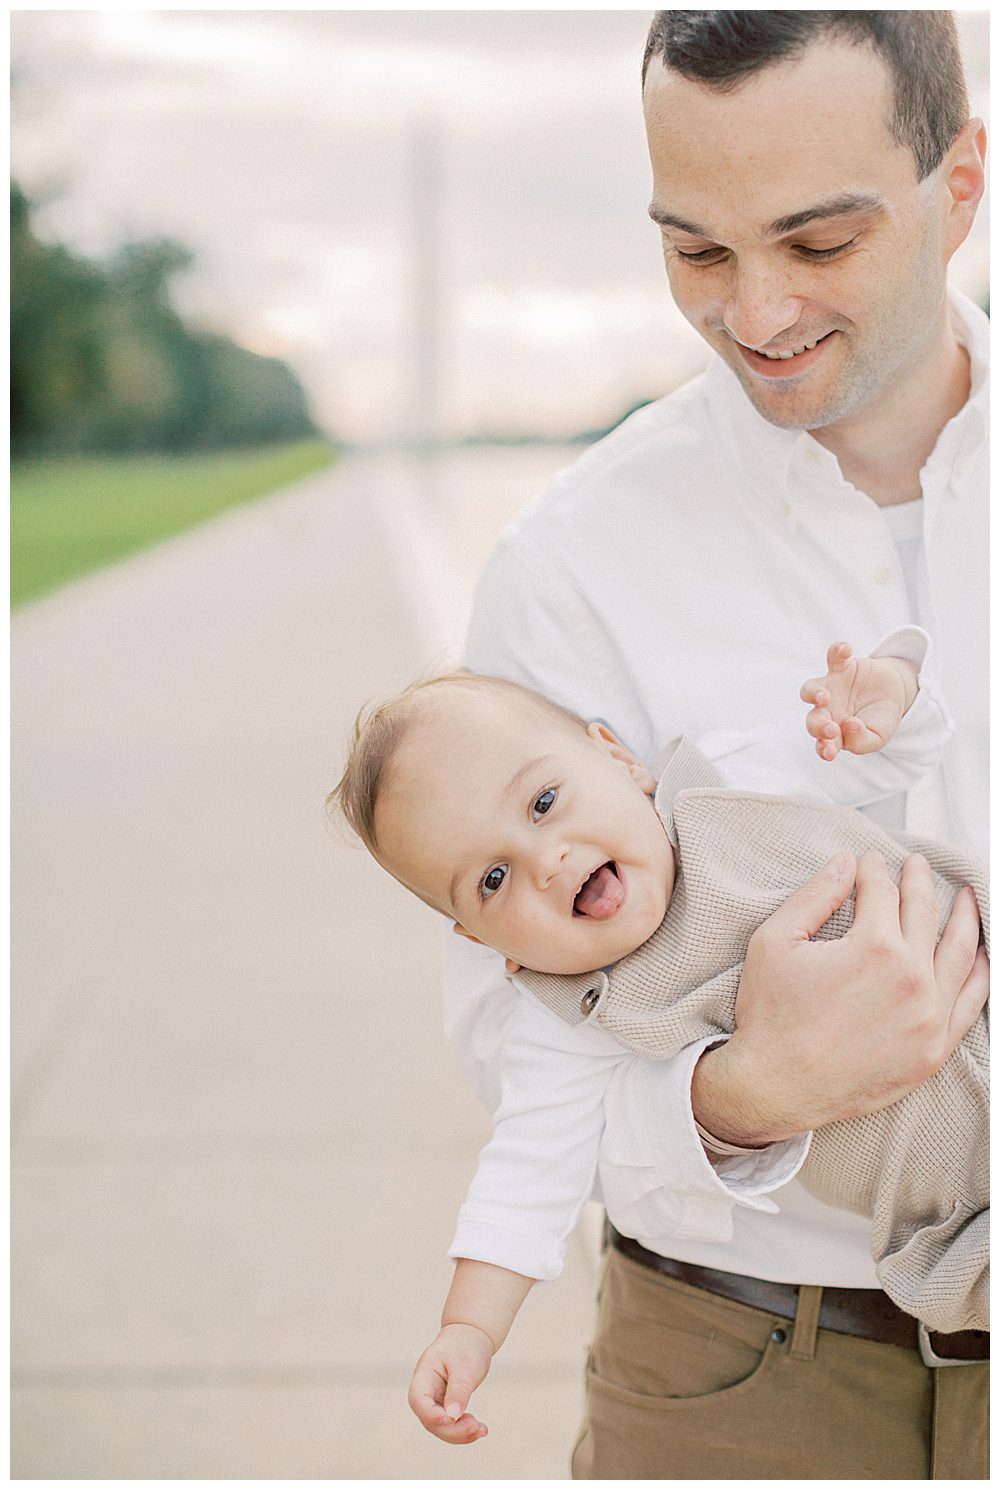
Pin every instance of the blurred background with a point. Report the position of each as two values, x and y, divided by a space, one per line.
305 305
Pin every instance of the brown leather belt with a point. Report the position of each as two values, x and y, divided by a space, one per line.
866 1312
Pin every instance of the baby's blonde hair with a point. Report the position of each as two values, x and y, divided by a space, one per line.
380 729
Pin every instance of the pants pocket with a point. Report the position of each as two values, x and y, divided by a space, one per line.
630 1435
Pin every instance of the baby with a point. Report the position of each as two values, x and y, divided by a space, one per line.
537 834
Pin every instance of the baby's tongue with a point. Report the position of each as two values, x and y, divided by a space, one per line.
601 895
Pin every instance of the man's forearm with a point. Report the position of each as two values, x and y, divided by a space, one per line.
730 1101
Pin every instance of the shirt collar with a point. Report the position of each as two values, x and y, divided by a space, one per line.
962 438
680 766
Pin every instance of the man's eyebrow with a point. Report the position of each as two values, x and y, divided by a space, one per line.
515 781
668 220
839 206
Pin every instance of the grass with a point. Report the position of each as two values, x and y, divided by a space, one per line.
72 515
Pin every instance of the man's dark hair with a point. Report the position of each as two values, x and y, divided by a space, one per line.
721 48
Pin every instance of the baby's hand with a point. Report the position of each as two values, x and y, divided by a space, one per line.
859 704
444 1379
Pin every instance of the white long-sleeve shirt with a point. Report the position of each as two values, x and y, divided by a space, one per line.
683 577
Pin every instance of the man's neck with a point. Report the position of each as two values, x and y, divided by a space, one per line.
883 451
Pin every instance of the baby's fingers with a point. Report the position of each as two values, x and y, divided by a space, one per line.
858 738
426 1404
815 691
826 732
466 1429
838 656
870 730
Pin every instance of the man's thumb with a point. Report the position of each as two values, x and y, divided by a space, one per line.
814 902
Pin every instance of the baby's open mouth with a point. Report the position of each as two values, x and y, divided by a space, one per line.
601 893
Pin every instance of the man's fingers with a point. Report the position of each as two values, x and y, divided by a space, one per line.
876 899
919 911
813 903
972 997
957 949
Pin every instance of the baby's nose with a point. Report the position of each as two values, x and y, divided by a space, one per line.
548 864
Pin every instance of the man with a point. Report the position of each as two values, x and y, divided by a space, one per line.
813 174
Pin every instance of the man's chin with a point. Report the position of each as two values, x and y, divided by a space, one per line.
789 407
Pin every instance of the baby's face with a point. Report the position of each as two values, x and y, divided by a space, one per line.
535 836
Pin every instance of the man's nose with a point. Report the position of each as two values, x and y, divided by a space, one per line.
547 862
760 305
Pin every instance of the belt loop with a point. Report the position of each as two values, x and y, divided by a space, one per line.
806 1323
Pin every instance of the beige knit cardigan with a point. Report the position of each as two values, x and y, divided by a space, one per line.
918 1168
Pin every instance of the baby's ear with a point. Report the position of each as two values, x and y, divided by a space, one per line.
461 931
609 742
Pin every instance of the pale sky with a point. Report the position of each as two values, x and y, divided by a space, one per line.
279 146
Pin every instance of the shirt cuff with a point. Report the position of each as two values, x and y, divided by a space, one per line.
909 642
750 1176
484 1236
651 1126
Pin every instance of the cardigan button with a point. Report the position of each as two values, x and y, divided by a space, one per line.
589 1001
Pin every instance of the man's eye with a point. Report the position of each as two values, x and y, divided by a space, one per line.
493 879
703 256
826 253
543 803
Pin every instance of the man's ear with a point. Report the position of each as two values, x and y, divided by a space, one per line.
609 742
965 181
511 966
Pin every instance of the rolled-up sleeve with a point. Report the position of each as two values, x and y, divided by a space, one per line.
579 1116
655 1178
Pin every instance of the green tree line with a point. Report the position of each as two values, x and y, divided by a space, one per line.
101 362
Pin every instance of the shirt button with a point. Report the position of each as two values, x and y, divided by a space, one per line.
883 575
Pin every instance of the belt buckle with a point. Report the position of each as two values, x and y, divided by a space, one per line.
929 1355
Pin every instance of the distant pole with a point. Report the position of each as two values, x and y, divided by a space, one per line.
427 141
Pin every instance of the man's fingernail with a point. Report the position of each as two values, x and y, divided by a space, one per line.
453 1410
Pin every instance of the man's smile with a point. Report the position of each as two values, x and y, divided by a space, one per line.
785 362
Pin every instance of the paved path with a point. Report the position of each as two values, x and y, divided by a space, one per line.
239 1139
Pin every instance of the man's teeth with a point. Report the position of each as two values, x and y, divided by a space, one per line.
792 351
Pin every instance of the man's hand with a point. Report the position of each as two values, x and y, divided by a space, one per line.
444 1379
858 705
828 1030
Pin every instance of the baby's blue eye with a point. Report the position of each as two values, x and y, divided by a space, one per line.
544 802
493 879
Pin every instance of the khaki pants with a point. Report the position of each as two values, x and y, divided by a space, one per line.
682 1384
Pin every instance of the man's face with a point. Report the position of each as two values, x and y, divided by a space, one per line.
797 239
527 831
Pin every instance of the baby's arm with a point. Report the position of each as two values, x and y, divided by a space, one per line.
532 1181
859 704
479 1311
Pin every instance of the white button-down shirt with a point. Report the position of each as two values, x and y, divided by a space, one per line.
683 577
